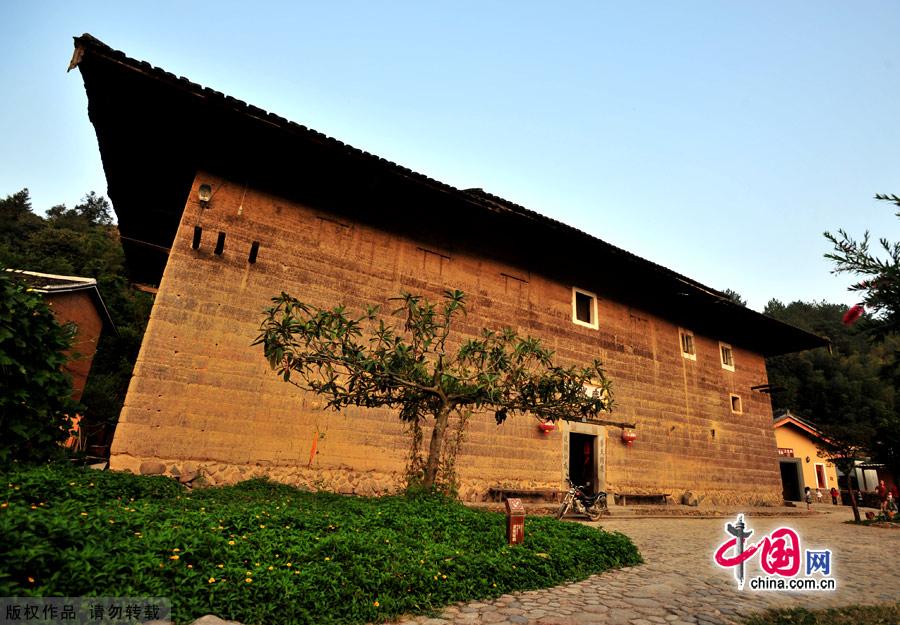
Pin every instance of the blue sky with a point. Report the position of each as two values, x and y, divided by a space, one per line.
719 139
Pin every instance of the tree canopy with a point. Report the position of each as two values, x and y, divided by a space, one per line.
880 287
422 370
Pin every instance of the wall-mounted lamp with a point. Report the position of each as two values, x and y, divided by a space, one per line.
204 194
807 458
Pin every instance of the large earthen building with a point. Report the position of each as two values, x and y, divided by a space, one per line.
223 205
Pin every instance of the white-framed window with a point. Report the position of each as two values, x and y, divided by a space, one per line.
726 354
584 308
686 339
736 407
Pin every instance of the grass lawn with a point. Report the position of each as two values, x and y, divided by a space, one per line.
853 615
261 552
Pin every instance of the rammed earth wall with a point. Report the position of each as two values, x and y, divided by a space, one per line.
203 398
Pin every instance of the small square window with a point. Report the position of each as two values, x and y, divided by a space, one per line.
727 355
736 404
584 308
687 344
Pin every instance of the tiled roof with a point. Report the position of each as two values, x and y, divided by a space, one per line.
651 284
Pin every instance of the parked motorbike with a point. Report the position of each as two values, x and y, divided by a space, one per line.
591 506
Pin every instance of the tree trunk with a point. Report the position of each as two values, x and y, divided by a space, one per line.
853 501
847 468
441 419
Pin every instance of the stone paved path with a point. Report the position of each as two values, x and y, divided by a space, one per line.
679 583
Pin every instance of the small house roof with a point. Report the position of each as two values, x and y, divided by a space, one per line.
788 418
49 283
157 130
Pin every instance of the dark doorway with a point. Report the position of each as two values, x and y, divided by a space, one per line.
790 480
583 460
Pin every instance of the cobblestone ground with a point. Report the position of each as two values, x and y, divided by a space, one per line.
679 583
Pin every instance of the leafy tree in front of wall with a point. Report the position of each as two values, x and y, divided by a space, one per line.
35 394
428 375
83 241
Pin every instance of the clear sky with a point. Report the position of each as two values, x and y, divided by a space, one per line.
719 139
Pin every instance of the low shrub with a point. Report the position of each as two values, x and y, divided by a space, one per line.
261 552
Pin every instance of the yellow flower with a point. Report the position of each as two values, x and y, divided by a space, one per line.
288 564
376 604
190 566
443 577
221 566
230 542
175 557
30 580
256 564
84 514
249 580
435 577
4 504
271 568
33 507
262 527
296 572
327 558
176 550
212 580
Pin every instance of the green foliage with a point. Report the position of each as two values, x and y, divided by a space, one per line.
735 297
420 370
844 392
83 241
880 288
35 394
850 615
311 557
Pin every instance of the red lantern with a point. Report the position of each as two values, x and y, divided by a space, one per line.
546 426
628 437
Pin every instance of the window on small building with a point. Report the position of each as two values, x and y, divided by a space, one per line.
736 404
687 344
727 356
584 308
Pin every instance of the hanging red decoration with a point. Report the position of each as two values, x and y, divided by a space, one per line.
852 314
629 436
